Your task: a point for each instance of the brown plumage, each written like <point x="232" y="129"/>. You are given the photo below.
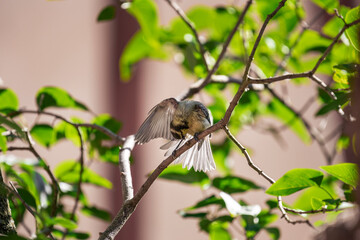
<point x="178" y="122"/>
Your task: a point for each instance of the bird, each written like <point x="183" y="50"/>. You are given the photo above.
<point x="179" y="121"/>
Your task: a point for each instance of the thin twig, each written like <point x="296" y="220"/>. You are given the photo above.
<point x="30" y="210"/>
<point x="191" y="25"/>
<point x="117" y="138"/>
<point x="335" y="40"/>
<point x="323" y="210"/>
<point x="54" y="183"/>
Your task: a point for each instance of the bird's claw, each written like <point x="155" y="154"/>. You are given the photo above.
<point x="173" y="154"/>
<point x="196" y="137"/>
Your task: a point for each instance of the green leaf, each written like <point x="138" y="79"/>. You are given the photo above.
<point x="177" y="173"/>
<point x="335" y="24"/>
<point x="96" y="212"/>
<point x="108" y="13"/>
<point x="3" y="143"/>
<point x="344" y="73"/>
<point x="274" y="233"/>
<point x="353" y="32"/>
<point x="43" y="134"/>
<point x="192" y="215"/>
<point x="328" y="5"/>
<point x="342" y="143"/>
<point x="69" y="171"/>
<point x="310" y="41"/>
<point x="107" y="121"/>
<point x="342" y="99"/>
<point x="212" y="200"/>
<point x="316" y="203"/>
<point x="279" y="110"/>
<point x="272" y="203"/>
<point x="68" y="131"/>
<point x="12" y="125"/>
<point x="64" y="222"/>
<point x="295" y="180"/>
<point x="145" y="11"/>
<point x="232" y="184"/>
<point x="56" y="97"/>
<point x="303" y="201"/>
<point x="70" y="234"/>
<point x="346" y="172"/>
<point x="27" y="197"/>
<point x="217" y="230"/>
<point x="138" y="48"/>
<point x="8" y="100"/>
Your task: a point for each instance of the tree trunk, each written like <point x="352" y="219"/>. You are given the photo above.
<point x="7" y="225"/>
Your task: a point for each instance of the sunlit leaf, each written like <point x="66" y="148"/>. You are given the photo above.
<point x="328" y="5"/>
<point x="310" y="41"/>
<point x="3" y="143"/>
<point x="353" y="32"/>
<point x="107" y="121"/>
<point x="66" y="223"/>
<point x="69" y="171"/>
<point x="108" y="13"/>
<point x="177" y="173"/>
<point x="344" y="73"/>
<point x="232" y="184"/>
<point x="335" y="24"/>
<point x="56" y="97"/>
<point x="346" y="172"/>
<point x="146" y="13"/>
<point x="137" y="49"/>
<point x="303" y="201"/>
<point x="218" y="230"/>
<point x="8" y="100"/>
<point x="295" y="180"/>
<point x="342" y="143"/>
<point x="316" y="203"/>
<point x="43" y="134"/>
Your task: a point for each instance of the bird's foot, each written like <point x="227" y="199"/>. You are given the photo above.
<point x="173" y="154"/>
<point x="196" y="136"/>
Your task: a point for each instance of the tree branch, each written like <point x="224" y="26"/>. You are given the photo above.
<point x="124" y="165"/>
<point x="119" y="140"/>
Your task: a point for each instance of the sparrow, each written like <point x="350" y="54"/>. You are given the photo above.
<point x="179" y="121"/>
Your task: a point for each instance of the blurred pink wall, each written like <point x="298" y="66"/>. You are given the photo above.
<point x="60" y="43"/>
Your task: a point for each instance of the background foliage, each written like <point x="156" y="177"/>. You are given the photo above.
<point x="289" y="45"/>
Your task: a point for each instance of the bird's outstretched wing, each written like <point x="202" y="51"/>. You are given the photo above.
<point x="157" y="123"/>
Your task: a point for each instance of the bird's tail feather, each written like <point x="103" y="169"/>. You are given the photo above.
<point x="198" y="156"/>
